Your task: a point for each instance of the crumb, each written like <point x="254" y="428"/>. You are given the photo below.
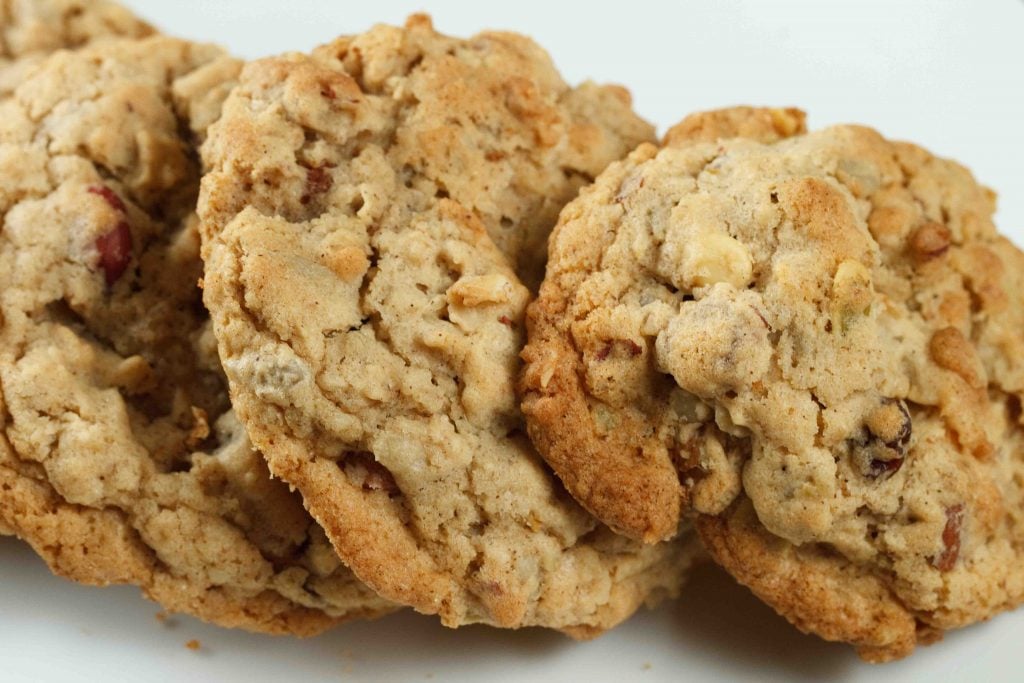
<point x="193" y="645"/>
<point x="646" y="666"/>
<point x="166" y="618"/>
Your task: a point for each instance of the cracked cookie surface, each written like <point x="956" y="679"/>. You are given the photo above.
<point x="811" y="341"/>
<point x="32" y="29"/>
<point x="369" y="318"/>
<point x="120" y="460"/>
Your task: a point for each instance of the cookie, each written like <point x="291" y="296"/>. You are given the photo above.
<point x="359" y="272"/>
<point x="489" y="116"/>
<point x="32" y="29"/>
<point x="812" y="341"/>
<point x="121" y="460"/>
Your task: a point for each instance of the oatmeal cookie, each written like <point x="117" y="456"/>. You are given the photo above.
<point x="363" y="211"/>
<point x="32" y="29"/>
<point x="120" y="458"/>
<point x="814" y="342"/>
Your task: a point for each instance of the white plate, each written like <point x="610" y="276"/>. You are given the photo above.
<point x="948" y="75"/>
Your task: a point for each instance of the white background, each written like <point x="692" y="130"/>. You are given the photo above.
<point x="948" y="75"/>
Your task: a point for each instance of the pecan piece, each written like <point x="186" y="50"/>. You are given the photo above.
<point x="318" y="181"/>
<point x="951" y="539"/>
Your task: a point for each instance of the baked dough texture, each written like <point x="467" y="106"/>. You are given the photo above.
<point x="120" y="459"/>
<point x="32" y="29"/>
<point x="364" y="214"/>
<point x="812" y="342"/>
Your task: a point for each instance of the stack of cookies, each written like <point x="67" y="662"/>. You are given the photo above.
<point x="408" y="321"/>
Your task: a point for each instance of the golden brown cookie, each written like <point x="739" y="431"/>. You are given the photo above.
<point x="358" y="212"/>
<point x="32" y="29"/>
<point x="813" y="341"/>
<point x="120" y="458"/>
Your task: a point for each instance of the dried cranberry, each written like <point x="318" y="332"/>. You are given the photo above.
<point x="505" y="320"/>
<point x="110" y="196"/>
<point x="115" y="249"/>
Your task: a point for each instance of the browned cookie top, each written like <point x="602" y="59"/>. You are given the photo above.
<point x="812" y="340"/>
<point x="121" y="461"/>
<point x="31" y="29"/>
<point x="358" y="213"/>
<point x="486" y="122"/>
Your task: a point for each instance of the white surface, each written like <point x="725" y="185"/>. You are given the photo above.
<point x="948" y="75"/>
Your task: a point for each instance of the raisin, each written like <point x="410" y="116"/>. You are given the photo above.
<point x="887" y="468"/>
<point x="945" y="561"/>
<point x="880" y="450"/>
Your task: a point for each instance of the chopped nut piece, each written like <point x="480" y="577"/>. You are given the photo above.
<point x="318" y="181"/>
<point x="951" y="539"/>
<point x="482" y="290"/>
<point x="852" y="293"/>
<point x="717" y="257"/>
<point x="950" y="349"/>
<point x="930" y="241"/>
